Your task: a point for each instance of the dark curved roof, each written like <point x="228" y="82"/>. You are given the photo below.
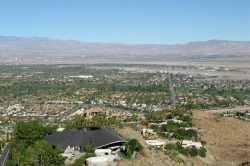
<point x="97" y="137"/>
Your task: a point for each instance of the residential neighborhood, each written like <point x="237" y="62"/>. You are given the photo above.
<point x="111" y="99"/>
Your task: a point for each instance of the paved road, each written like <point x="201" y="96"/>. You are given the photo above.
<point x="63" y="116"/>
<point x="135" y="126"/>
<point x="132" y="100"/>
<point x="68" y="113"/>
<point x="112" y="108"/>
<point x="4" y="156"/>
<point x="195" y="136"/>
<point x="172" y="90"/>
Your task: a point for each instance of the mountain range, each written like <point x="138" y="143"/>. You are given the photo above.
<point x="47" y="49"/>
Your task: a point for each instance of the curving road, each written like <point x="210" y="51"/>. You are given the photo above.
<point x="5" y="155"/>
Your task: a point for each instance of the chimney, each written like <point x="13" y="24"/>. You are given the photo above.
<point x="92" y="141"/>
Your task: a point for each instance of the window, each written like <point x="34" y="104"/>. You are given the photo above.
<point x="106" y="153"/>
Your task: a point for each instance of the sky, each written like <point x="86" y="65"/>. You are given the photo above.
<point x="127" y="21"/>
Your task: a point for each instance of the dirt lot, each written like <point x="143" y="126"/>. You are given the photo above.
<point x="227" y="138"/>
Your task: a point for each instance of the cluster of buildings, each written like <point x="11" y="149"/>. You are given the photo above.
<point x="105" y="142"/>
<point x="88" y="113"/>
<point x="130" y="100"/>
<point x="239" y="115"/>
<point x="12" y="113"/>
<point x="108" y="112"/>
<point x="153" y="139"/>
<point x="195" y="90"/>
<point x="18" y="112"/>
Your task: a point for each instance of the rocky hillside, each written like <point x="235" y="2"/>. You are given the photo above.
<point x="227" y="143"/>
<point x="153" y="157"/>
<point x="227" y="138"/>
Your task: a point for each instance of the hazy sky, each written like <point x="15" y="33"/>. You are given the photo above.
<point x="127" y="21"/>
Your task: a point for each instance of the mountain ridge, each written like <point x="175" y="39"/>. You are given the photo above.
<point x="73" y="40"/>
<point x="41" y="48"/>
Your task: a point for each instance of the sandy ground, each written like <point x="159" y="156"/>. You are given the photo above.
<point x="227" y="138"/>
<point x="237" y="62"/>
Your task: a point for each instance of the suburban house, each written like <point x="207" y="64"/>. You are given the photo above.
<point x="107" y="153"/>
<point x="175" y="120"/>
<point x="149" y="133"/>
<point x="156" y="143"/>
<point x="158" y="123"/>
<point x="78" y="112"/>
<point x="185" y="128"/>
<point x="60" y="128"/>
<point x="157" y="108"/>
<point x="76" y="139"/>
<point x="97" y="161"/>
<point x="94" y="111"/>
<point x="187" y="143"/>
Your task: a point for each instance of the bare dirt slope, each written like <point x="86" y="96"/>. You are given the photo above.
<point x="227" y="138"/>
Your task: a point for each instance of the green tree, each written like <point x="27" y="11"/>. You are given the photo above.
<point x="133" y="145"/>
<point x="31" y="156"/>
<point x="47" y="155"/>
<point x="89" y="149"/>
<point x="202" y="152"/>
<point x="187" y="118"/>
<point x="193" y="152"/>
<point x="99" y="120"/>
<point x="29" y="132"/>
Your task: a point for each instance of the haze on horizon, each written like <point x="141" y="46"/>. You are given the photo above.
<point x="130" y="21"/>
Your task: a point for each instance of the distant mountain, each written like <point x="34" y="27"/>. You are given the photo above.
<point x="46" y="49"/>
